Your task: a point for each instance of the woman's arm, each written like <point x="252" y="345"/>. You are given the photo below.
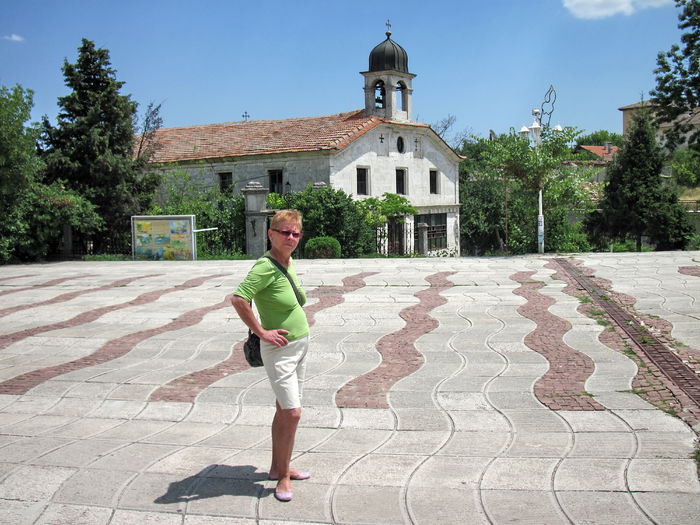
<point x="245" y="312"/>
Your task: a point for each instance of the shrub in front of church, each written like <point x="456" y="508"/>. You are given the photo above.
<point x="330" y="212"/>
<point x="322" y="248"/>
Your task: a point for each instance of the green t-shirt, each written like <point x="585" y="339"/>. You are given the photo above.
<point x="275" y="299"/>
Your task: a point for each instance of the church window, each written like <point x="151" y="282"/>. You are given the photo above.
<point x="379" y="94"/>
<point x="399" y="145"/>
<point x="434" y="182"/>
<point x="362" y="186"/>
<point x="275" y="181"/>
<point x="401" y="181"/>
<point x="225" y="182"/>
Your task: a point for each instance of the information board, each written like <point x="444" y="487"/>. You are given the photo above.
<point x="163" y="237"/>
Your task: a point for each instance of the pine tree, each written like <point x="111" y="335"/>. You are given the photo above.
<point x="677" y="93"/>
<point x="90" y="148"/>
<point x="636" y="202"/>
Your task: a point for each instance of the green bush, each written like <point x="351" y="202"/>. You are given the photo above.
<point x="33" y="228"/>
<point x="183" y="194"/>
<point x="322" y="248"/>
<point x="694" y="243"/>
<point x="329" y="212"/>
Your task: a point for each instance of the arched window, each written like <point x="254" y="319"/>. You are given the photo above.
<point x="379" y="94"/>
<point x="402" y="99"/>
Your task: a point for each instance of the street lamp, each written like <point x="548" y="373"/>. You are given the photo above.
<point x="536" y="130"/>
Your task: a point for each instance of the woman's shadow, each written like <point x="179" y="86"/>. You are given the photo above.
<point x="217" y="480"/>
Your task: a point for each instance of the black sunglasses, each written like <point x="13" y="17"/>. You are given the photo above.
<point x="287" y="233"/>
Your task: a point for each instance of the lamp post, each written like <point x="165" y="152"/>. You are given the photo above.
<point x="536" y="130"/>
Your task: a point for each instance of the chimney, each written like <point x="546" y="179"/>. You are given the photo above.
<point x="608" y="147"/>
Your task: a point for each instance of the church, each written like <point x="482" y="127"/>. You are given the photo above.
<point x="366" y="153"/>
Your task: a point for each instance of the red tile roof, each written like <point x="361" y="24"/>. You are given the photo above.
<point x="601" y="152"/>
<point x="261" y="137"/>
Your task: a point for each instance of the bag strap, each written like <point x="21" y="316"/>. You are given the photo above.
<point x="286" y="274"/>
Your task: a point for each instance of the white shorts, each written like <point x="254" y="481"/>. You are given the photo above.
<point x="286" y="368"/>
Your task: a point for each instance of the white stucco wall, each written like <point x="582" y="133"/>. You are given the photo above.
<point x="382" y="159"/>
<point x="300" y="169"/>
<point x="423" y="152"/>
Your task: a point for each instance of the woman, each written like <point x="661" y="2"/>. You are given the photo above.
<point x="284" y="339"/>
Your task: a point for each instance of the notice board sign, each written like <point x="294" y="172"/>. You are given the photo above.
<point x="163" y="237"/>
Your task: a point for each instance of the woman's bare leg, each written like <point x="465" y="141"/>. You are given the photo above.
<point x="284" y="428"/>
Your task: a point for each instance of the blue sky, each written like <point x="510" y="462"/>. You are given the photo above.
<point x="487" y="62"/>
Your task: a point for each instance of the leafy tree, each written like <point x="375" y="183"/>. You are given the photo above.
<point x="636" y="202"/>
<point x="90" y="149"/>
<point x="19" y="163"/>
<point x="498" y="192"/>
<point x="379" y="211"/>
<point x="33" y="213"/>
<point x="685" y="167"/>
<point x="483" y="194"/>
<point x="600" y="138"/>
<point x="677" y="92"/>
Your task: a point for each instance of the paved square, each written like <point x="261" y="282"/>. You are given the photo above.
<point x="447" y="390"/>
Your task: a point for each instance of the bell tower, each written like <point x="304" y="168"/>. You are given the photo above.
<point x="388" y="83"/>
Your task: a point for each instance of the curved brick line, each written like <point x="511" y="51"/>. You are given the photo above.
<point x="649" y="382"/>
<point x="186" y="388"/>
<point x="562" y="387"/>
<point x="329" y="296"/>
<point x="72" y="295"/>
<point x="689" y="270"/>
<point x="399" y="355"/>
<point x="53" y="282"/>
<point x="91" y="315"/>
<point x="2" y="279"/>
<point x="109" y="351"/>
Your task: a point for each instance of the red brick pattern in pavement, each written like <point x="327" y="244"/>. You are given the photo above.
<point x="2" y="279"/>
<point x="53" y="282"/>
<point x="562" y="387"/>
<point x="650" y="383"/>
<point x="72" y="295"/>
<point x="91" y="315"/>
<point x="399" y="355"/>
<point x="185" y="389"/>
<point x="689" y="270"/>
<point x="109" y="351"/>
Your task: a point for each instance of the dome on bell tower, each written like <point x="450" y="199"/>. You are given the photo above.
<point x="388" y="56"/>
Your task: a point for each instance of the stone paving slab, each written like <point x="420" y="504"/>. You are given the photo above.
<point x="463" y="437"/>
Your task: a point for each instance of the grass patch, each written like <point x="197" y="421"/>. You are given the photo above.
<point x="669" y="411"/>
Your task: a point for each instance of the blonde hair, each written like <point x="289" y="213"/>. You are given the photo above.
<point x="281" y="216"/>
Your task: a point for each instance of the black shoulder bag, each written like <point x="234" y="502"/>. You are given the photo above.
<point x="251" y="347"/>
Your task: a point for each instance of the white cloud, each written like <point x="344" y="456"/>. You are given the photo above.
<point x="590" y="9"/>
<point x="14" y="38"/>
